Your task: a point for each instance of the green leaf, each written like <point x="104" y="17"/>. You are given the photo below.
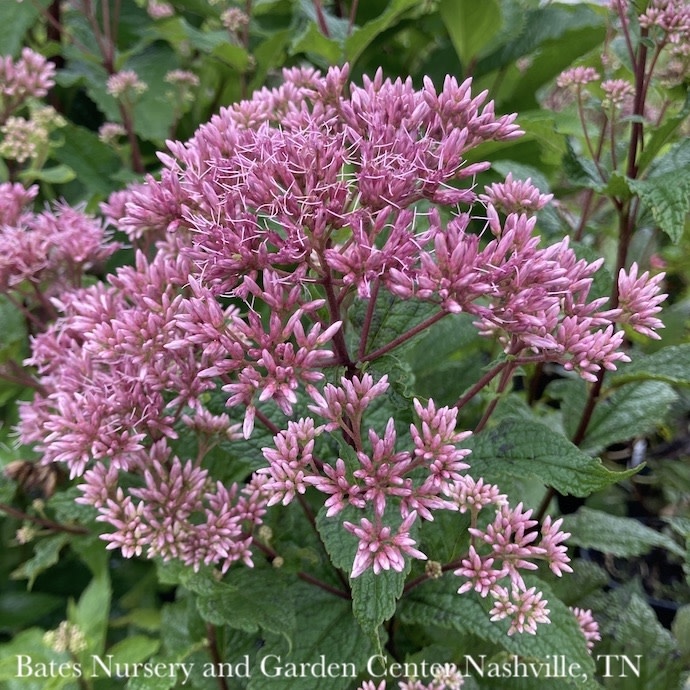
<point x="25" y="664"/>
<point x="232" y="55"/>
<point x="661" y="135"/>
<point x="392" y="317"/>
<point x="250" y="600"/>
<point x="374" y="597"/>
<point x="552" y="38"/>
<point x="92" y="611"/>
<point x="12" y="330"/>
<point x="681" y="629"/>
<point x="325" y="630"/>
<point x="58" y="174"/>
<point x="437" y="602"/>
<point x="667" y="196"/>
<point x="580" y="170"/>
<point x="18" y="609"/>
<point x="520" y="448"/>
<point x="312" y="42"/>
<point x="634" y="410"/>
<point x="594" y="529"/>
<point x="16" y="18"/>
<point x="93" y="162"/>
<point x="134" y="649"/>
<point x="543" y="27"/>
<point x="46" y="554"/>
<point x="670" y="365"/>
<point x="471" y="25"/>
<point x="363" y="36"/>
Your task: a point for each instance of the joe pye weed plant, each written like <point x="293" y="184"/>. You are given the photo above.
<point x="337" y="389"/>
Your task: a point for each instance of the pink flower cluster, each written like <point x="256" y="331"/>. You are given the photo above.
<point x="50" y="251"/>
<point x="31" y="76"/>
<point x="264" y="228"/>
<point x="505" y="546"/>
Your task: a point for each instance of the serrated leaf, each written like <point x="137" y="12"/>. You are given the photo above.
<point x="617" y="186"/>
<point x="163" y="682"/>
<point x="618" y="536"/>
<point x="46" y="554"/>
<point x="235" y="56"/>
<point x="580" y="170"/>
<point x="437" y="602"/>
<point x="667" y="196"/>
<point x="250" y="600"/>
<point x="440" y="342"/>
<point x="325" y="628"/>
<point x="541" y="27"/>
<point x="639" y="628"/>
<point x="392" y="318"/>
<point x="471" y="25"/>
<point x="631" y="411"/>
<point x="670" y="365"/>
<point x="520" y="448"/>
<point x="374" y="597"/>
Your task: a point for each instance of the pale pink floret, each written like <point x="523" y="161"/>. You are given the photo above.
<point x="515" y="196"/>
<point x="524" y="607"/>
<point x="577" y="76"/>
<point x="639" y="299"/>
<point x="588" y="625"/>
<point x="481" y="576"/>
<point x="380" y="549"/>
<point x="552" y="543"/>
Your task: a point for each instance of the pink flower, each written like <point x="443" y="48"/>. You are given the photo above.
<point x="577" y="76"/>
<point x="515" y="196"/>
<point x="379" y="549"/>
<point x="551" y="542"/>
<point x="32" y="76"/>
<point x="639" y="300"/>
<point x="588" y="625"/>
<point x="525" y="607"/>
<point x="481" y="577"/>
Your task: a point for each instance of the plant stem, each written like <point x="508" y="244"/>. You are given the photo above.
<point x="212" y="638"/>
<point x="321" y="19"/>
<point x="312" y="521"/>
<point x="366" y="326"/>
<point x="267" y="422"/>
<point x="353" y="16"/>
<point x="430" y="321"/>
<point x="505" y="378"/>
<point x="483" y="381"/>
<point x="424" y="577"/>
<point x="306" y="577"/>
<point x="43" y="522"/>
<point x="338" y="339"/>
